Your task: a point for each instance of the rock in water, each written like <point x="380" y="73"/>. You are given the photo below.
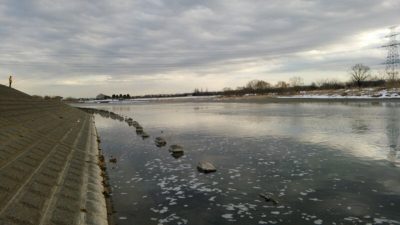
<point x="135" y="124"/>
<point x="206" y="167"/>
<point x="113" y="160"/>
<point x="176" y="149"/>
<point x="160" y="142"/>
<point x="145" y="135"/>
<point x="269" y="198"/>
<point x="129" y="121"/>
<point x="139" y="130"/>
<point x="177" y="155"/>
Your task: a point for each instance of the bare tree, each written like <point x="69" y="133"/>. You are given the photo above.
<point x="228" y="91"/>
<point x="329" y="83"/>
<point x="359" y="73"/>
<point x="258" y="85"/>
<point x="282" y="84"/>
<point x="321" y="82"/>
<point x="392" y="77"/>
<point x="296" y="81"/>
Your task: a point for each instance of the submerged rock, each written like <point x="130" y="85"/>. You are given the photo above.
<point x="269" y="198"/>
<point x="160" y="142"/>
<point x="206" y="167"/>
<point x="129" y="121"/>
<point x="145" y="135"/>
<point x="176" y="149"/>
<point x="135" y="124"/>
<point x="139" y="130"/>
<point x="177" y="155"/>
<point x="113" y="160"/>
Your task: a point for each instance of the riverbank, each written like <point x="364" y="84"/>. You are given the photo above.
<point x="340" y="95"/>
<point x="262" y="99"/>
<point x="300" y="99"/>
<point x="320" y="96"/>
<point x="49" y="163"/>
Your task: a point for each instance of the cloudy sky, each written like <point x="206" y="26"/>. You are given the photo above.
<point x="81" y="48"/>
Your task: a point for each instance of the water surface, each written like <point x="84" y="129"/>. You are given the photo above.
<point x="325" y="163"/>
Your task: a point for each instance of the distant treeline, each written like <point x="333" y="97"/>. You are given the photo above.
<point x="262" y="87"/>
<point x="127" y="96"/>
<point x="257" y="87"/>
<point x="360" y="77"/>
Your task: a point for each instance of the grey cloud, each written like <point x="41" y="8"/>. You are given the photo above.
<point x="48" y="39"/>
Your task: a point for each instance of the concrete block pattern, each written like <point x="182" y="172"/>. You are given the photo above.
<point x="48" y="163"/>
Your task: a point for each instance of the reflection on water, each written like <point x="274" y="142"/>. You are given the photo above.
<point x="323" y="163"/>
<point x="393" y="135"/>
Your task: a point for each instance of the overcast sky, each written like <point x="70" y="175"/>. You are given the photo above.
<point x="82" y="48"/>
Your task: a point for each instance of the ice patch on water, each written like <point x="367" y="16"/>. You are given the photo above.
<point x="242" y="209"/>
<point x="163" y="210"/>
<point x="172" y="217"/>
<point x="171" y="200"/>
<point x="315" y="199"/>
<point x="353" y="219"/>
<point x="308" y="217"/>
<point x="383" y="220"/>
<point x="319" y="221"/>
<point x="310" y="190"/>
<point x="227" y="216"/>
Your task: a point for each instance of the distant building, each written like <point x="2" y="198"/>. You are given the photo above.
<point x="102" y="96"/>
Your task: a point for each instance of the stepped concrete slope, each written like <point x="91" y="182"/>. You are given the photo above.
<point x="49" y="171"/>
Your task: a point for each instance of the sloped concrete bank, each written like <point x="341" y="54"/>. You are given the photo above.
<point x="50" y="166"/>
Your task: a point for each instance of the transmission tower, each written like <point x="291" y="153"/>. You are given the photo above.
<point x="392" y="59"/>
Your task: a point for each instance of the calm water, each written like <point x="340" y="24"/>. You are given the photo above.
<point x="324" y="163"/>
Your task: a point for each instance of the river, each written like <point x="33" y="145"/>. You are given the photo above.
<point x="324" y="163"/>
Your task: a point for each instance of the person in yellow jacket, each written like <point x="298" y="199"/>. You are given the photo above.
<point x="10" y="80"/>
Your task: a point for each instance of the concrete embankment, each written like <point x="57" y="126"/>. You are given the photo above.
<point x="49" y="163"/>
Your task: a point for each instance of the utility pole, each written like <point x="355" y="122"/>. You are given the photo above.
<point x="392" y="59"/>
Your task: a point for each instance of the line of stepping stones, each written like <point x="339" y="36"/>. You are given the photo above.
<point x="175" y="149"/>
